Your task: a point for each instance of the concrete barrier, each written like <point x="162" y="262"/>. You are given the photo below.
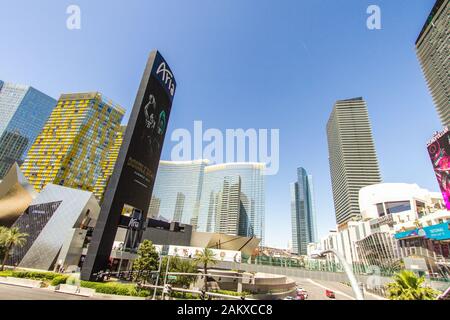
<point x="28" y="283"/>
<point x="75" y="290"/>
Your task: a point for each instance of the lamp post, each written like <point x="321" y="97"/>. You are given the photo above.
<point x="348" y="272"/>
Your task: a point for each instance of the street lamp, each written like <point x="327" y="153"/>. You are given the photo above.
<point x="347" y="269"/>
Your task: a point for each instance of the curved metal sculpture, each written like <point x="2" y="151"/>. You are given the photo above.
<point x="348" y="271"/>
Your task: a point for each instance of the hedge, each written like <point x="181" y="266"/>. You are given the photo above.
<point x="115" y="288"/>
<point x="35" y="275"/>
<point x="100" y="287"/>
<point x="59" y="280"/>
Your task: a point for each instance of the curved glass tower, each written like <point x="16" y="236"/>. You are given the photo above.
<point x="233" y="199"/>
<point x="178" y="186"/>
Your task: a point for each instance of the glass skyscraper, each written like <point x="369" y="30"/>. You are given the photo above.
<point x="223" y="186"/>
<point x="303" y="212"/>
<point x="75" y="142"/>
<point x="23" y="113"/>
<point x="177" y="191"/>
<point x="433" y="50"/>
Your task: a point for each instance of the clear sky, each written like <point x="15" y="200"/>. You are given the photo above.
<point x="245" y="64"/>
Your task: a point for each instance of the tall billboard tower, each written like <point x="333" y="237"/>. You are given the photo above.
<point x="131" y="184"/>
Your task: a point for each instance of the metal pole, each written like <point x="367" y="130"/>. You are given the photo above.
<point x="165" y="277"/>
<point x="349" y="272"/>
<point x="121" y="252"/>
<point x="157" y="276"/>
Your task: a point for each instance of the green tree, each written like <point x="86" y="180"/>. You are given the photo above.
<point x="147" y="261"/>
<point x="184" y="266"/>
<point x="180" y="266"/>
<point x="10" y="238"/>
<point x="205" y="258"/>
<point x="408" y="286"/>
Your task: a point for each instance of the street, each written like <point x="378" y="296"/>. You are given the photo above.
<point x="316" y="290"/>
<point x="8" y="292"/>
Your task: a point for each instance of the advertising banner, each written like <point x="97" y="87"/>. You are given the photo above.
<point x="439" y="150"/>
<point x="435" y="232"/>
<point x="131" y="184"/>
<point x="191" y="252"/>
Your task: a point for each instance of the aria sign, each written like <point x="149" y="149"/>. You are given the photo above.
<point x="133" y="178"/>
<point x="166" y="77"/>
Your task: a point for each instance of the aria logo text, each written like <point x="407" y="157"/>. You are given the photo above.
<point x="134" y="223"/>
<point x="167" y="77"/>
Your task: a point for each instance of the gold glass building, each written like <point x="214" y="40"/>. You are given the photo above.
<point x="75" y="142"/>
<point x="108" y="165"/>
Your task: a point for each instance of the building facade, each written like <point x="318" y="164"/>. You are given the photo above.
<point x="352" y="156"/>
<point x="229" y="207"/>
<point x="302" y="213"/>
<point x="16" y="194"/>
<point x="392" y="211"/>
<point x="23" y="113"/>
<point x="433" y="50"/>
<point x="75" y="142"/>
<point x="218" y="196"/>
<point x="177" y="190"/>
<point x="57" y="223"/>
<point x="107" y="165"/>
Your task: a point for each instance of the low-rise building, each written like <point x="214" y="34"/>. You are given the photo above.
<point x="394" y="224"/>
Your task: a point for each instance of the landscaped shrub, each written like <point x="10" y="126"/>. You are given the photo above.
<point x="59" y="280"/>
<point x="186" y="295"/>
<point x="115" y="288"/>
<point x="35" y="275"/>
<point x="6" y="273"/>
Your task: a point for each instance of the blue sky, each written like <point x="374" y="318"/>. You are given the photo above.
<point x="245" y="64"/>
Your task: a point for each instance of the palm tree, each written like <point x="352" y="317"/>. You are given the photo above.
<point x="3" y="232"/>
<point x="9" y="239"/>
<point x="205" y="258"/>
<point x="408" y="286"/>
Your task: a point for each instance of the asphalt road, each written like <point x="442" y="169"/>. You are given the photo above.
<point x="20" y="293"/>
<point x="316" y="290"/>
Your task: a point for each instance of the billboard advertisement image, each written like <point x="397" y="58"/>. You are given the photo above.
<point x="439" y="150"/>
<point x="191" y="252"/>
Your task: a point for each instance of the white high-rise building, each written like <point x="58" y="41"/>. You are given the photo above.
<point x="352" y="157"/>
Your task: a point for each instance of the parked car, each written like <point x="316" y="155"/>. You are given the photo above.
<point x="330" y="294"/>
